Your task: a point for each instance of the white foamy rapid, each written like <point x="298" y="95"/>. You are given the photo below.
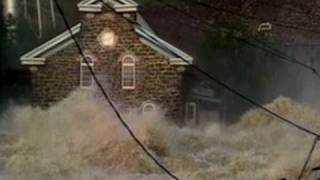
<point x="80" y="139"/>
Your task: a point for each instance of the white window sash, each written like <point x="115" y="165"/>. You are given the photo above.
<point x="125" y="74"/>
<point x="82" y="66"/>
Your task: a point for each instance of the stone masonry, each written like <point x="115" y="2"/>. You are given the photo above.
<point x="157" y="81"/>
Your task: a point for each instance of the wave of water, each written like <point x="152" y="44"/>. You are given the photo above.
<point x="80" y="138"/>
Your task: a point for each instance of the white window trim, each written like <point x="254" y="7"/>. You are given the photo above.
<point x="194" y="111"/>
<point x="83" y="64"/>
<point x="131" y="64"/>
<point x="148" y="104"/>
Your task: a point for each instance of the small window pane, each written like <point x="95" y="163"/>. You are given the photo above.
<point x="86" y="79"/>
<point x="128" y="73"/>
<point x="128" y="59"/>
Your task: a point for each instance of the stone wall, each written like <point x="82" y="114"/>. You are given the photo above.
<point x="156" y="80"/>
<point x="56" y="79"/>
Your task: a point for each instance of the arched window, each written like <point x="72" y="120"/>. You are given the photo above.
<point x="148" y="108"/>
<point x="128" y="72"/>
<point x="86" y="79"/>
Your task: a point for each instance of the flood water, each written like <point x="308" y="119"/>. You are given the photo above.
<point x="81" y="139"/>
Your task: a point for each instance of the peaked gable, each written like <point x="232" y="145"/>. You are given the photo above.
<point x="38" y="55"/>
<point x="176" y="55"/>
<point x="117" y="5"/>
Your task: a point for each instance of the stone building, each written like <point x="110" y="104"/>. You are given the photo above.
<point x="135" y="66"/>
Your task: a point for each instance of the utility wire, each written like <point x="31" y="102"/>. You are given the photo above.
<point x="210" y="6"/>
<point x="315" y="141"/>
<point x="267" y="48"/>
<point x="262" y="107"/>
<point x="282" y="56"/>
<point x="126" y="126"/>
<point x="196" y="68"/>
<point x="251" y="101"/>
<point x="244" y="97"/>
<point x="303" y="6"/>
<point x="278" y="6"/>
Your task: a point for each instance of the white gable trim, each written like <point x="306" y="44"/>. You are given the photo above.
<point x="150" y="44"/>
<point x="89" y="6"/>
<point x="123" y="5"/>
<point x="177" y="57"/>
<point x="117" y="5"/>
<point x="32" y="57"/>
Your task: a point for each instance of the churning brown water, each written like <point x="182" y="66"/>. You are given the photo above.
<point x="80" y="139"/>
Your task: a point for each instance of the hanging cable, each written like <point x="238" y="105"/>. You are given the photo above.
<point x="287" y="8"/>
<point x="244" y="97"/>
<point x="107" y="97"/>
<point x="264" y="46"/>
<point x="308" y="131"/>
<point x="196" y="68"/>
<point x="234" y="13"/>
<point x="315" y="141"/>
<point x="251" y="101"/>
<point x="232" y="90"/>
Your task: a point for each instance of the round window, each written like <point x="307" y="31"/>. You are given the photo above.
<point x="107" y="38"/>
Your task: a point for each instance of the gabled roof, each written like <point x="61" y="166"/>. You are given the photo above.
<point x="176" y="55"/>
<point x="117" y="5"/>
<point x="38" y="55"/>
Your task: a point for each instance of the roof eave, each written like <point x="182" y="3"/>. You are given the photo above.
<point x="181" y="62"/>
<point x="31" y="58"/>
<point x="90" y="8"/>
<point x="33" y="61"/>
<point x="125" y="8"/>
<point x="181" y="58"/>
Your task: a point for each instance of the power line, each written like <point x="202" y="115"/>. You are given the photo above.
<point x="262" y="107"/>
<point x="106" y="96"/>
<point x="244" y="97"/>
<point x="194" y="67"/>
<point x="288" y="26"/>
<point x="267" y="48"/>
<point x="289" y="9"/>
<point x="251" y="101"/>
<point x="303" y="6"/>
<point x="315" y="141"/>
